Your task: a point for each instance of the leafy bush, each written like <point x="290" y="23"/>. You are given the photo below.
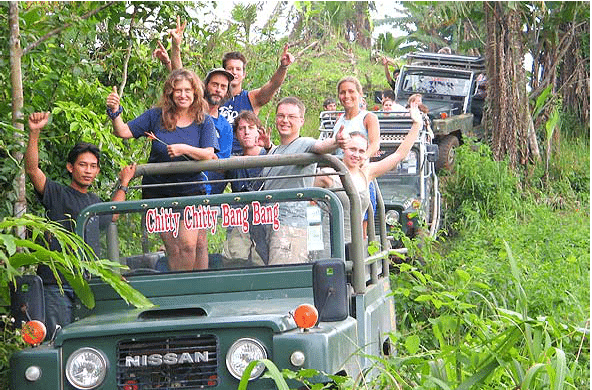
<point x="480" y="188"/>
<point x="504" y="301"/>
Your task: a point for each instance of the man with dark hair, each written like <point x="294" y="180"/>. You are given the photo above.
<point x="63" y="204"/>
<point x="330" y="104"/>
<point x="216" y="92"/>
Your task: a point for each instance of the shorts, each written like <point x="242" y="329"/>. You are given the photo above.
<point x="288" y="245"/>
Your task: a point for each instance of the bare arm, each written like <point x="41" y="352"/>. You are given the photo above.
<point x="176" y="40"/>
<point x="261" y="96"/>
<point x="329" y="144"/>
<point x="387" y="72"/>
<point x="37" y="121"/>
<point x="324" y="181"/>
<point x="379" y="168"/>
<point x="176" y="150"/>
<point x="373" y="128"/>
<point x="125" y="175"/>
<point x="120" y="128"/>
<point x="161" y="53"/>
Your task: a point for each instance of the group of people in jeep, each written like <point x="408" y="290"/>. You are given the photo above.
<point x="214" y="119"/>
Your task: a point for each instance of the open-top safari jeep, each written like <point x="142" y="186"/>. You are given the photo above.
<point x="207" y="325"/>
<point x="453" y="88"/>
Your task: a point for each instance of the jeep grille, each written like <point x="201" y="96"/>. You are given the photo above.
<point x="392" y="137"/>
<point x="188" y="362"/>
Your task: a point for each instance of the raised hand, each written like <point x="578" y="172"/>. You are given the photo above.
<point x="415" y="113"/>
<point x="264" y="139"/>
<point x="38" y="120"/>
<point x="113" y="100"/>
<point x="286" y="59"/>
<point x="161" y="53"/>
<point x="342" y="138"/>
<point x="177" y="33"/>
<point x="126" y="174"/>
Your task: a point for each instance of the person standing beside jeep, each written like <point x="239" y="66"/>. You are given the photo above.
<point x="180" y="130"/>
<point x="63" y="204"/>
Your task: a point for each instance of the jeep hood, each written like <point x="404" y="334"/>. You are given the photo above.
<point x="269" y="313"/>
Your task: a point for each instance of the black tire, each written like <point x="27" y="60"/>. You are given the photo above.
<point x="446" y="153"/>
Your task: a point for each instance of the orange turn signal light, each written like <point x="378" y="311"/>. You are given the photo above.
<point x="306" y="316"/>
<point x="34" y="332"/>
<point x="443" y="115"/>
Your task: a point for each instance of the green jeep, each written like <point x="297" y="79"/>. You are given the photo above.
<point x="409" y="193"/>
<point x="451" y="88"/>
<point x="206" y="326"/>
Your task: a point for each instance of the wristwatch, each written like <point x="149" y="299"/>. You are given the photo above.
<point x="122" y="188"/>
<point x="115" y="114"/>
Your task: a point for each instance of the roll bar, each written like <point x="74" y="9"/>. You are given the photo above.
<point x="356" y="248"/>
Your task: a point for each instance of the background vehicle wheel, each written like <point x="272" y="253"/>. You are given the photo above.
<point x="447" y="152"/>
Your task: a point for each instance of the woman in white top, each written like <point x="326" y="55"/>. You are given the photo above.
<point x="350" y="95"/>
<point x="362" y="172"/>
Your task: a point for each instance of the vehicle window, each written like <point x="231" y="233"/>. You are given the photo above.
<point x="409" y="165"/>
<point x="155" y="239"/>
<point x="435" y="84"/>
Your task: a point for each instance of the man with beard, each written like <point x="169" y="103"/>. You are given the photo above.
<point x="216" y="91"/>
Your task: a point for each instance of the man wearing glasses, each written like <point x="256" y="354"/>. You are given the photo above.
<point x="287" y="245"/>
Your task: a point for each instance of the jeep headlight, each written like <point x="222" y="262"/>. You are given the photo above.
<point x="392" y="217"/>
<point x="86" y="368"/>
<point x="243" y="352"/>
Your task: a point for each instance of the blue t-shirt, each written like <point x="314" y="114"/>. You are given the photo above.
<point x="199" y="135"/>
<point x="230" y="110"/>
<point x="224" y="136"/>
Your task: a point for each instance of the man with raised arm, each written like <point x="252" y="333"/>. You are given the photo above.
<point x="62" y="205"/>
<point x="235" y="63"/>
<point x="288" y="244"/>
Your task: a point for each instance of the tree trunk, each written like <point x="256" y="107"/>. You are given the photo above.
<point x="16" y="80"/>
<point x="508" y="111"/>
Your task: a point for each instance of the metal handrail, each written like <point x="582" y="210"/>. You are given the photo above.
<point x="357" y="245"/>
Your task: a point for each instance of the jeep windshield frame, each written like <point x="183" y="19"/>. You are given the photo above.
<point x="357" y="262"/>
<point x="431" y="82"/>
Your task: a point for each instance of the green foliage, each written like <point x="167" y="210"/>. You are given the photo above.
<point x="74" y="261"/>
<point x="480" y="188"/>
<point x="10" y="342"/>
<point x="457" y="333"/>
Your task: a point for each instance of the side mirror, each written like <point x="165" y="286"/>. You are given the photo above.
<point x="330" y="290"/>
<point x="432" y="152"/>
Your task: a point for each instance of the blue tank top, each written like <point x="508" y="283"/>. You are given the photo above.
<point x="230" y="110"/>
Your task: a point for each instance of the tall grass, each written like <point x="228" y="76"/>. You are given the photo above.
<point x="504" y="301"/>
